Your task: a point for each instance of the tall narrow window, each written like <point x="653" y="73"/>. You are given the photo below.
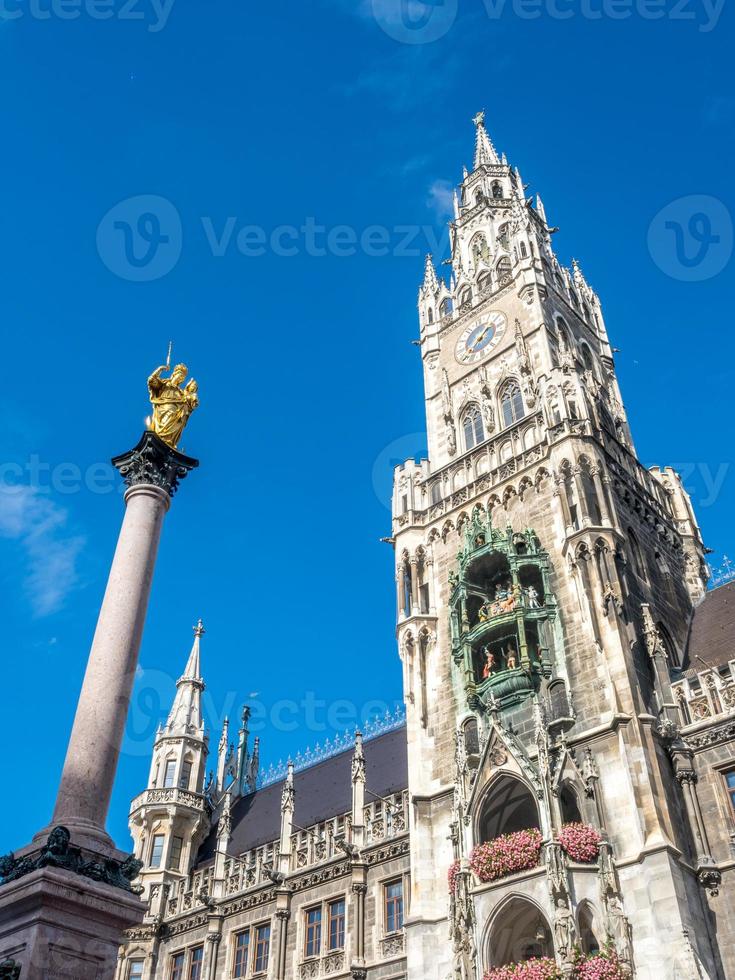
<point x="169" y="774"/>
<point x="511" y="403"/>
<point x="177" y="845"/>
<point x="135" y="969"/>
<point x="242" y="948"/>
<point x="177" y="966"/>
<point x="196" y="957"/>
<point x="394" y="906"/>
<point x="262" y="948"/>
<point x="337" y="924"/>
<point x="185" y="775"/>
<point x="503" y="269"/>
<point x="730" y="783"/>
<point x="157" y="850"/>
<point x="313" y="935"/>
<point x="472" y="427"/>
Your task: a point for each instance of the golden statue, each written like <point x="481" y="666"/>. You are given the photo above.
<point x="172" y="404"/>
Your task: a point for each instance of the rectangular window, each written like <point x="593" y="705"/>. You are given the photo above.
<point x="135" y="970"/>
<point x="242" y="949"/>
<point x="157" y="850"/>
<point x="177" y="844"/>
<point x="262" y="948"/>
<point x="313" y="940"/>
<point x="337" y="924"/>
<point x="394" y="906"/>
<point x="185" y="776"/>
<point x="169" y="773"/>
<point x="195" y="963"/>
<point x="424" y="598"/>
<point x="177" y="966"/>
<point x="730" y="782"/>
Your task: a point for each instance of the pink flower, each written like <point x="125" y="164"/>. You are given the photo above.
<point x="580" y="841"/>
<point x="533" y="969"/>
<point x="506" y="855"/>
<point x="452" y="877"/>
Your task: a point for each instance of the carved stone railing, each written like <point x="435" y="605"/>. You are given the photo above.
<point x="495" y="472"/>
<point x="328" y="964"/>
<point x="190" y="894"/>
<point x="170" y="796"/>
<point x="393" y="945"/>
<point x="384" y="820"/>
<point x="710" y="694"/>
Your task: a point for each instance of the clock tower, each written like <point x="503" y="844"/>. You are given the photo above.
<point x="545" y="585"/>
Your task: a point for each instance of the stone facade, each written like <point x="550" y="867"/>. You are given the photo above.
<point x="562" y="664"/>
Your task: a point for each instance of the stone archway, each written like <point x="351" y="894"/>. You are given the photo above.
<point x="519" y="931"/>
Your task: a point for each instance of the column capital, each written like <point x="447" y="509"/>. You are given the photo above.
<point x="154" y="463"/>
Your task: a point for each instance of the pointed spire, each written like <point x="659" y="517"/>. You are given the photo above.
<point x="430" y="283"/>
<point x="541" y="209"/>
<point x="455" y="202"/>
<point x="185" y="716"/>
<point x="222" y="755"/>
<point x="578" y="277"/>
<point x="484" y="149"/>
<point x="517" y="211"/>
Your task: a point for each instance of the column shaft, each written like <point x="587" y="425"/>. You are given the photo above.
<point x="94" y="747"/>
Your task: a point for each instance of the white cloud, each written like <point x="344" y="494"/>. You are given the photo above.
<point x="49" y="551"/>
<point x="441" y="199"/>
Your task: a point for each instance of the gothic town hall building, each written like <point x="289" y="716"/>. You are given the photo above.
<point x="563" y="663"/>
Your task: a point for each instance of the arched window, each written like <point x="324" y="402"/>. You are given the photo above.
<point x="446" y="306"/>
<point x="497" y="190"/>
<point x="436" y="492"/>
<point x="504" y="269"/>
<point x="519" y="932"/>
<point x="504" y="235"/>
<point x="587" y="358"/>
<point x="511" y="403"/>
<point x="430" y="315"/>
<point x="479" y="250"/>
<point x="484" y="281"/>
<point x="569" y="805"/>
<point x="474" y="433"/>
<point x="636" y="555"/>
<point x="524" y="250"/>
<point x="465" y="296"/>
<point x="509" y="806"/>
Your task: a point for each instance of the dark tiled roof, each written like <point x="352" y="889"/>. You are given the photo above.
<point x="321" y="791"/>
<point x="712" y="633"/>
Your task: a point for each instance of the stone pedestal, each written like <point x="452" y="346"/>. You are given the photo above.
<point x="66" y="898"/>
<point x="59" y="926"/>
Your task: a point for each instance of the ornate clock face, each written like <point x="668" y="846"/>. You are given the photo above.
<point x="479" y="338"/>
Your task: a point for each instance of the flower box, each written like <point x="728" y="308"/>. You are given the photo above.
<point x="506" y="855"/>
<point x="580" y="842"/>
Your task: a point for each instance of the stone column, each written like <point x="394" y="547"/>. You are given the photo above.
<point x="151" y="471"/>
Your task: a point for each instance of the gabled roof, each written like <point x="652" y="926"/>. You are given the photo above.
<point x="712" y="633"/>
<point x="321" y="792"/>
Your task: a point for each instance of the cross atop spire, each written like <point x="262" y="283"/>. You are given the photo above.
<point x="199" y="628"/>
<point x="484" y="150"/>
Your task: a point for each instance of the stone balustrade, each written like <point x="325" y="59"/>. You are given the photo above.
<point x="708" y="694"/>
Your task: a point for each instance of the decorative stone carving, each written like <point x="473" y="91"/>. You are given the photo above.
<point x="153" y="462"/>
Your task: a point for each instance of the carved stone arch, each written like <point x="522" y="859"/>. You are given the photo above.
<point x="493" y="502"/>
<point x="463" y="519"/>
<point x="447" y="528"/>
<point x="590" y="927"/>
<point x="540" y="476"/>
<point x="509" y="934"/>
<point x="524" y="486"/>
<point x="508" y="495"/>
<point x="433" y="535"/>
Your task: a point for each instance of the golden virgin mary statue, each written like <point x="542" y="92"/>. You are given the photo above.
<point x="172" y="404"/>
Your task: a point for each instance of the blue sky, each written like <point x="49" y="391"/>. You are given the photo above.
<point x="304" y="115"/>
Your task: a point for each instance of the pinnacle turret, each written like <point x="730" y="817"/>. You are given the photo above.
<point x="430" y="283"/>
